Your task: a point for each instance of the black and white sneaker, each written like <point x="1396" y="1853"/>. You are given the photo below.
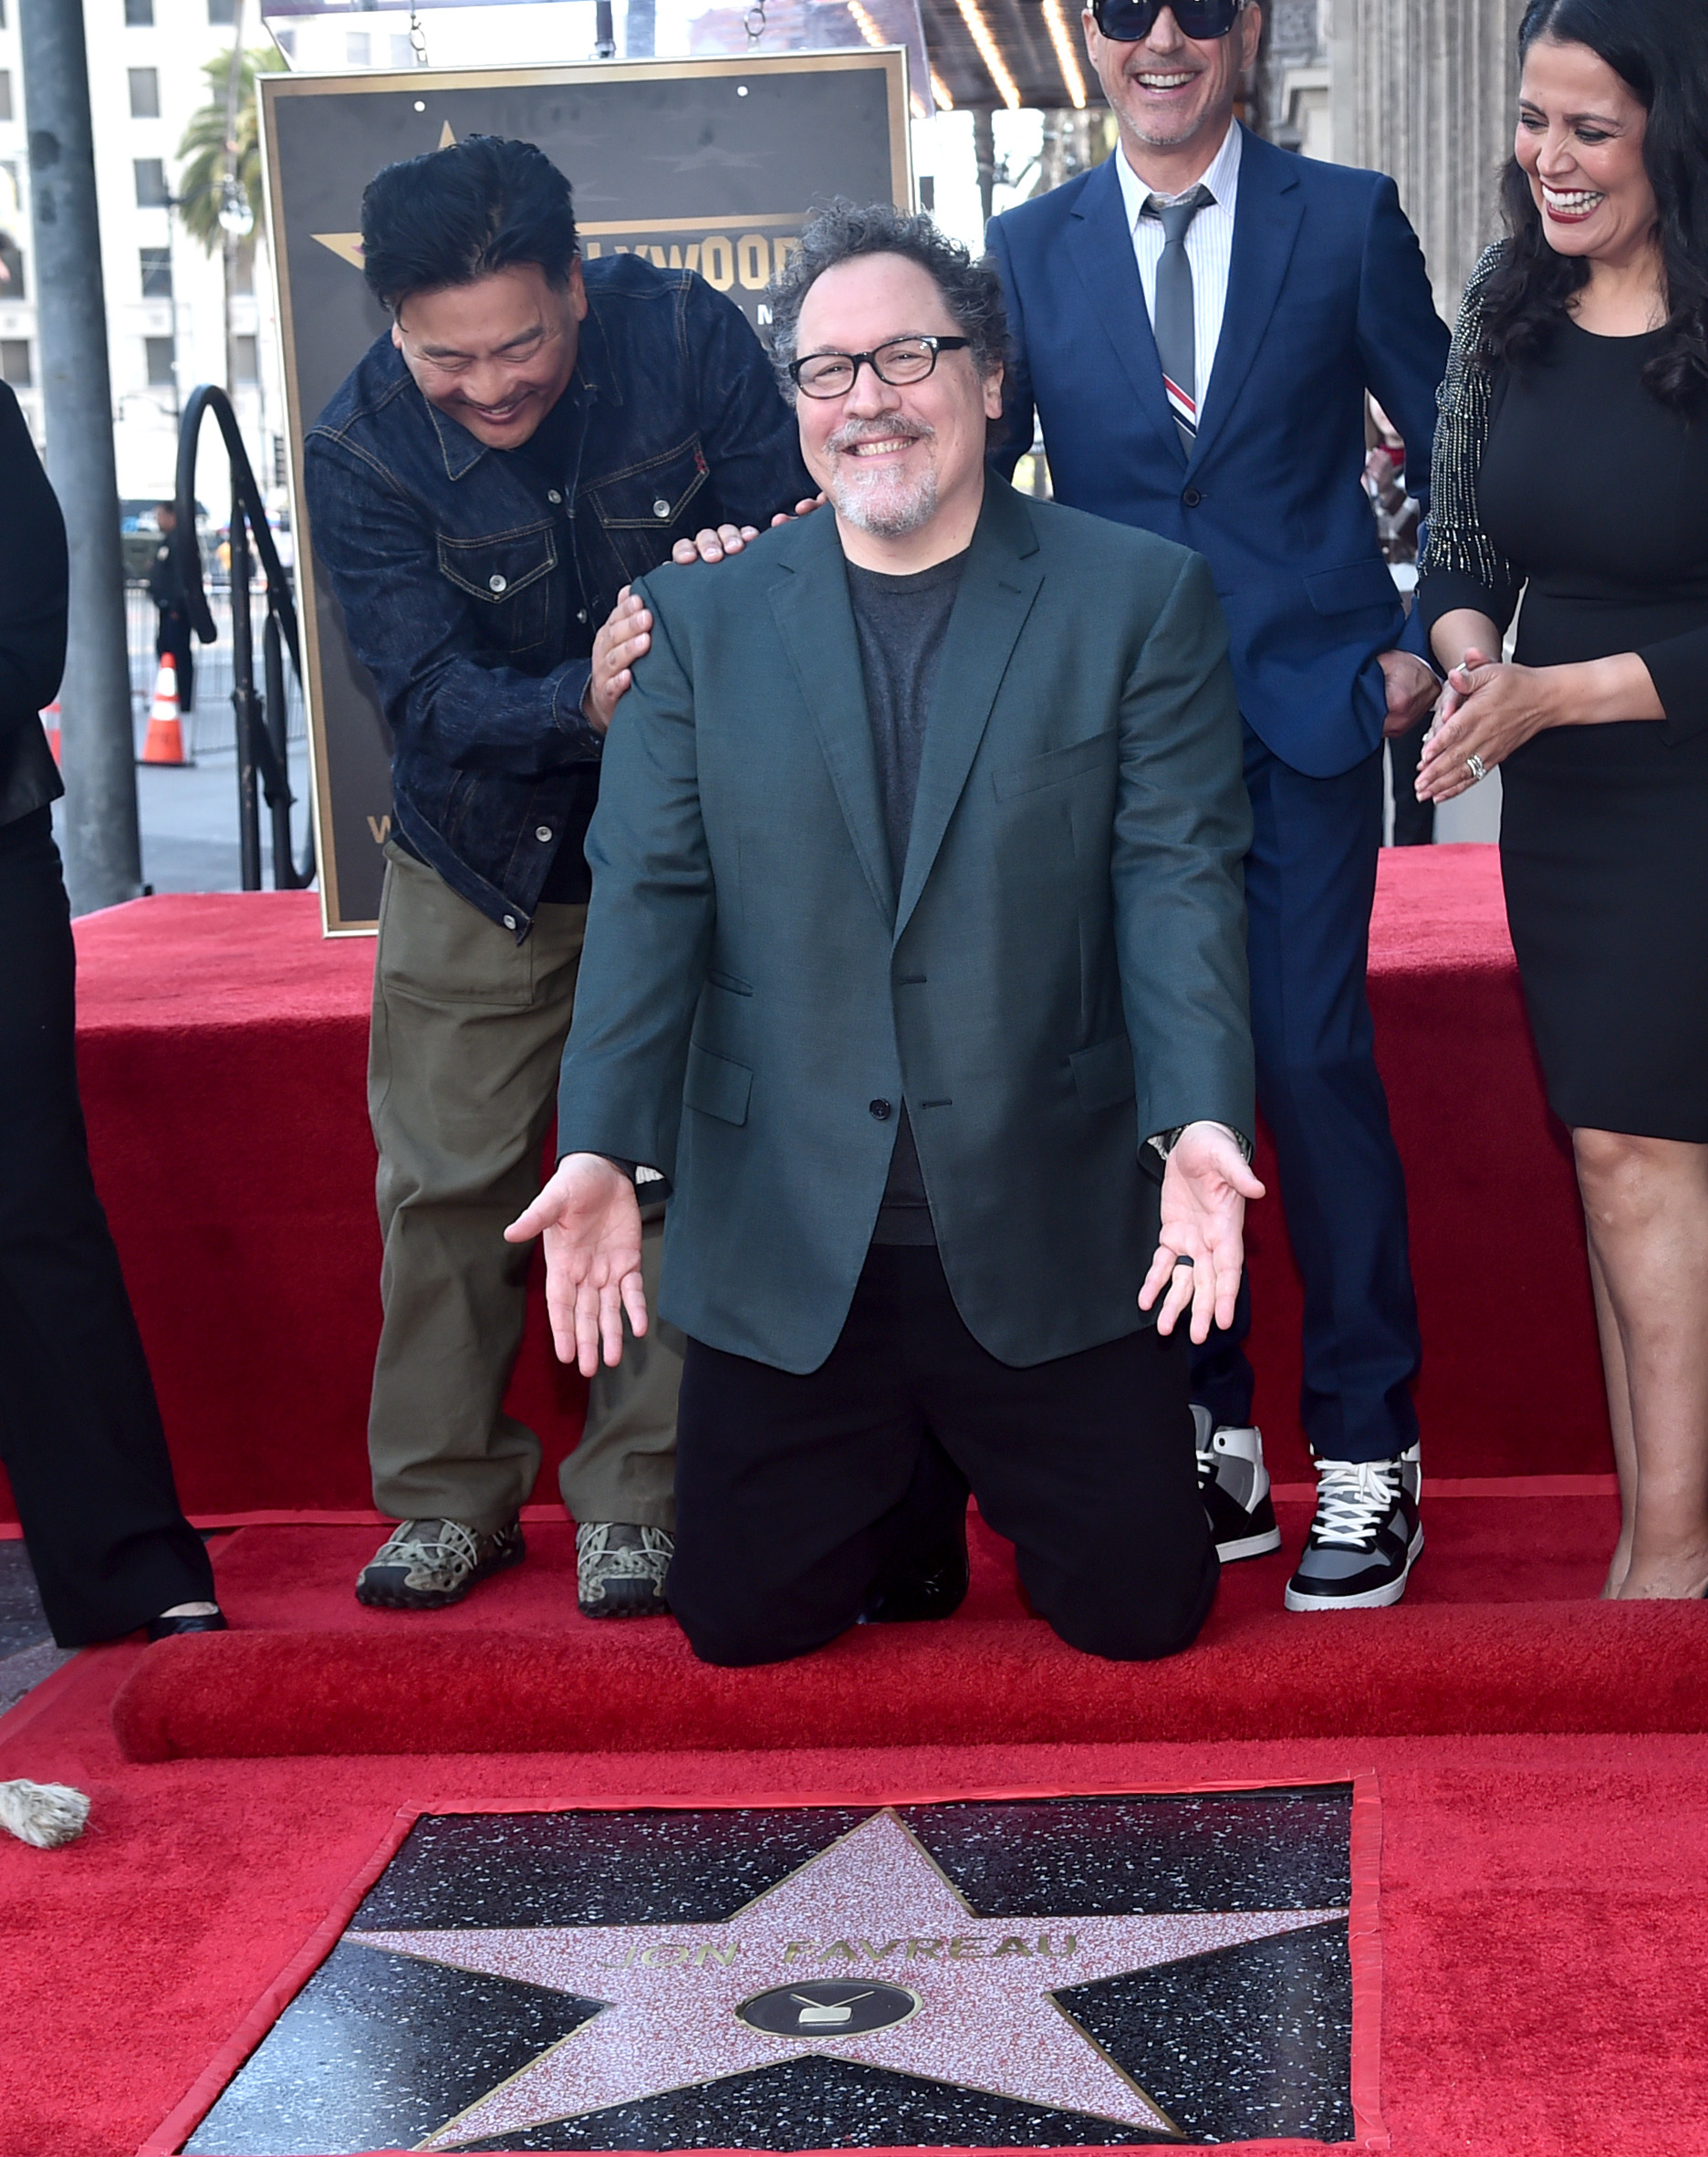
<point x="1235" y="1486"/>
<point x="1365" y="1539"/>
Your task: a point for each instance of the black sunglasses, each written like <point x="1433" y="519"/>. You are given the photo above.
<point x="1129" y="22"/>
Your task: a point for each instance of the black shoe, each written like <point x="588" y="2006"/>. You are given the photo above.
<point x="428" y="1565"/>
<point x="1235" y="1486"/>
<point x="166" y="1628"/>
<point x="620" y="1570"/>
<point x="918" y="1588"/>
<point x="1365" y="1539"/>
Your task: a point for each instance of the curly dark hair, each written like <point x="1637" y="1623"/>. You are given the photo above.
<point x="1658" y="48"/>
<point x="971" y="290"/>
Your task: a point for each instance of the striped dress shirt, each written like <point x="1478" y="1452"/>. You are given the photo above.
<point x="1209" y="247"/>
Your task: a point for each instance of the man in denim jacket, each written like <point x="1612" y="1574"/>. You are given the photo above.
<point x="534" y="431"/>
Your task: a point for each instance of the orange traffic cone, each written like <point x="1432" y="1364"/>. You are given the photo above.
<point x="163" y="743"/>
<point x="50" y="720"/>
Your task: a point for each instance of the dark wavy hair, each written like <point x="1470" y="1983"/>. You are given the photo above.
<point x="971" y="290"/>
<point x="456" y="214"/>
<point x="1658" y="48"/>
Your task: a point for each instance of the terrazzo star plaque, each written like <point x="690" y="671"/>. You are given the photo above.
<point x="1105" y="1970"/>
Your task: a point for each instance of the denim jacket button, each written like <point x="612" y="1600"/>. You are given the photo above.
<point x="509" y="920"/>
<point x="544" y="833"/>
<point x="497" y="584"/>
<point x="552" y="495"/>
<point x="660" y="508"/>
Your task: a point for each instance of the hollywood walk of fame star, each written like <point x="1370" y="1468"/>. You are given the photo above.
<point x="872" y="1909"/>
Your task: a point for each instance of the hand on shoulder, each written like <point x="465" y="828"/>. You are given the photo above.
<point x="712" y="542"/>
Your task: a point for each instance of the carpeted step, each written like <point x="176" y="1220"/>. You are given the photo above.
<point x="1421" y="1671"/>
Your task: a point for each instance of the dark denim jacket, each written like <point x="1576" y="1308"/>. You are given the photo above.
<point x="471" y="583"/>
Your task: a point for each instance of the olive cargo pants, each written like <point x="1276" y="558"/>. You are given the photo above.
<point x="468" y="1032"/>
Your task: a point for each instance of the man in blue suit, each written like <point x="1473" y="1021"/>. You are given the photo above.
<point x="1196" y="323"/>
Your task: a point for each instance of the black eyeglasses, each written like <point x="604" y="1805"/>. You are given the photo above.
<point x="1130" y="22"/>
<point x="902" y="360"/>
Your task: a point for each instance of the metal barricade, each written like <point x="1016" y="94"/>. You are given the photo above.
<point x="263" y="717"/>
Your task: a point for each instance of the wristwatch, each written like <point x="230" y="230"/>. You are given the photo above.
<point x="1164" y="1141"/>
<point x="636" y="1172"/>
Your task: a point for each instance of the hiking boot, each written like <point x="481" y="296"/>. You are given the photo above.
<point x="1235" y="1486"/>
<point x="428" y="1565"/>
<point x="620" y="1570"/>
<point x="1365" y="1539"/>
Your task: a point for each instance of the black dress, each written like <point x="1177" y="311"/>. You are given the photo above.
<point x="79" y="1431"/>
<point x="1569" y="482"/>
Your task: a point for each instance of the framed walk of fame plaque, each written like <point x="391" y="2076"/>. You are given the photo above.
<point x="1024" y="1972"/>
<point x="704" y="164"/>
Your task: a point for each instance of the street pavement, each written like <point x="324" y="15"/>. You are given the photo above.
<point x="189" y="819"/>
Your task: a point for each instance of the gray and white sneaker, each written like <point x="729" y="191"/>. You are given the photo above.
<point x="428" y="1565"/>
<point x="620" y="1570"/>
<point x="1235" y="1486"/>
<point x="1365" y="1539"/>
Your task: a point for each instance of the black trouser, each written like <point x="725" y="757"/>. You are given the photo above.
<point x="79" y="1431"/>
<point x="176" y="642"/>
<point x="794" y="1493"/>
<point x="1413" y="821"/>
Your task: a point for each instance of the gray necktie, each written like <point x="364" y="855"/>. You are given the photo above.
<point x="1176" y="330"/>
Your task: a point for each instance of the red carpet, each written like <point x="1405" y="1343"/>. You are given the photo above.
<point x="223" y="1048"/>
<point x="1543" y="1971"/>
<point x="1545" y="1979"/>
<point x="517" y="1669"/>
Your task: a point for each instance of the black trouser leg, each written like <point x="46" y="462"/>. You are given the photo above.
<point x="1413" y="821"/>
<point x="1086" y="1463"/>
<point x="794" y="1492"/>
<point x="79" y="1431"/>
<point x="176" y="642"/>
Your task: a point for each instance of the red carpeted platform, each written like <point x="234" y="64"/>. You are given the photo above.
<point x="1544" y="1979"/>
<point x="1543" y="1976"/>
<point x="222" y="1047"/>
<point x="1501" y="1633"/>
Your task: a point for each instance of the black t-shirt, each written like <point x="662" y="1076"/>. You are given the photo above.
<point x="550" y="449"/>
<point x="901" y="622"/>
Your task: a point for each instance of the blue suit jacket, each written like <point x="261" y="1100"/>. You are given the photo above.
<point x="1327" y="296"/>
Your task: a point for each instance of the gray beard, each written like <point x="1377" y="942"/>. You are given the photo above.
<point x="895" y="514"/>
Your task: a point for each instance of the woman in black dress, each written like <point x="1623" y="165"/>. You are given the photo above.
<point x="1571" y="465"/>
<point x="80" y="1433"/>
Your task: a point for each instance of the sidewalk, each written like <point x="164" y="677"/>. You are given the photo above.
<point x="189" y="816"/>
<point x="188" y="813"/>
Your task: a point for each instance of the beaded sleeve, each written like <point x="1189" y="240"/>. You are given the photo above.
<point x="1461" y="566"/>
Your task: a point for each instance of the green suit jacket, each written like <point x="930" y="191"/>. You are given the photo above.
<point x="1061" y="974"/>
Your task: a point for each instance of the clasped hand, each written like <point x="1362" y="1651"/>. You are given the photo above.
<point x="1205" y="1185"/>
<point x="591" y="1222"/>
<point x="1489" y="708"/>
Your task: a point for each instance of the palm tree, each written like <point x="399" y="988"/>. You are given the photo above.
<point x="219" y="187"/>
<point x="204" y="148"/>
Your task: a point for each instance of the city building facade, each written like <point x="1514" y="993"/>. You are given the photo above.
<point x="165" y="295"/>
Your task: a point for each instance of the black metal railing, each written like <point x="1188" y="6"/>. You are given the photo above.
<point x="262" y="717"/>
<point x="207" y="723"/>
